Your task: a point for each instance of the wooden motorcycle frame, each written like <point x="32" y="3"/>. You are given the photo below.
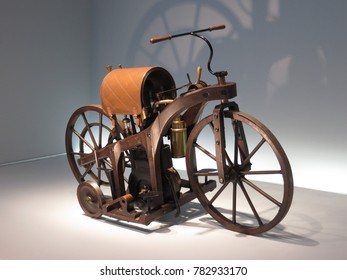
<point x="136" y="164"/>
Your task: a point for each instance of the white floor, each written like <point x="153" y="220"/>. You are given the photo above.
<point x="41" y="219"/>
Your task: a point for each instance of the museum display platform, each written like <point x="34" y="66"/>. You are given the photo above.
<point x="41" y="219"/>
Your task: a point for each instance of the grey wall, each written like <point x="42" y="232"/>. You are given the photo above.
<point x="44" y="73"/>
<point x="288" y="58"/>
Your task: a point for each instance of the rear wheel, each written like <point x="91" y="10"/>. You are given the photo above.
<point x="88" y="131"/>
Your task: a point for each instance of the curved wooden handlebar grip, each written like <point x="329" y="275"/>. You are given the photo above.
<point x="159" y="39"/>
<point x="217" y="27"/>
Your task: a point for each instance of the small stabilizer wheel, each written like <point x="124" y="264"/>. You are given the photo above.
<point x="90" y="198"/>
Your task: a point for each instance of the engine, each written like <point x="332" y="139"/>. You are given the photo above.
<point x="140" y="94"/>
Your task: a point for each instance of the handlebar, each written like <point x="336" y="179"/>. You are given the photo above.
<point x="169" y="37"/>
<point x="220" y="74"/>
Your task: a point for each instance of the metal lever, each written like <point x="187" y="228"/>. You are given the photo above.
<point x="198" y="74"/>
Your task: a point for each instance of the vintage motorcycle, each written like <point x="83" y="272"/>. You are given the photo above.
<point x="124" y="152"/>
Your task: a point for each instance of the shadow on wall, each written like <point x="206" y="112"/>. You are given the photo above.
<point x="272" y="42"/>
<point x="287" y="57"/>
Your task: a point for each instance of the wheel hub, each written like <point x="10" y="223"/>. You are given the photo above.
<point x="234" y="175"/>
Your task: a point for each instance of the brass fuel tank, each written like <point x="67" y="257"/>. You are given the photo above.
<point x="178" y="138"/>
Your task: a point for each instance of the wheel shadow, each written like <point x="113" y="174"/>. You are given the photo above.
<point x="298" y="233"/>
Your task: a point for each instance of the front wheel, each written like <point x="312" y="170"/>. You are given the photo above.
<point x="243" y="200"/>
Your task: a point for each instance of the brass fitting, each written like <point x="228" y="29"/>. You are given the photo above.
<point x="178" y="138"/>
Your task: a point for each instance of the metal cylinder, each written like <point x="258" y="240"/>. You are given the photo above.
<point x="178" y="138"/>
<point x="126" y="126"/>
<point x="127" y="90"/>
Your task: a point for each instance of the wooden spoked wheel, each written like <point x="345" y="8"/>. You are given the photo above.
<point x="89" y="130"/>
<point x="244" y="201"/>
